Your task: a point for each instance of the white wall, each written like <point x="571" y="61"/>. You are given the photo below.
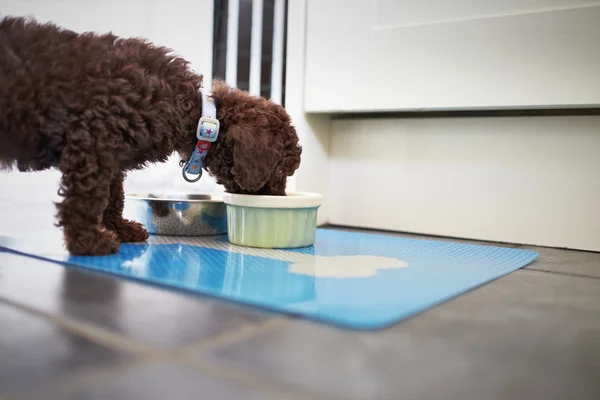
<point x="529" y="180"/>
<point x="184" y="25"/>
<point x="313" y="130"/>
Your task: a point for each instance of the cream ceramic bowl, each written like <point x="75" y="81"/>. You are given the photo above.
<point x="272" y="221"/>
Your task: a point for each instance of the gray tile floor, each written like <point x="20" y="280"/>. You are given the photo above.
<point x="71" y="334"/>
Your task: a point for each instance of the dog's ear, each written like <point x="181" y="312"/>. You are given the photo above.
<point x="255" y="159"/>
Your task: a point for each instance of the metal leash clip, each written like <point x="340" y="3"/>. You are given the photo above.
<point x="184" y="165"/>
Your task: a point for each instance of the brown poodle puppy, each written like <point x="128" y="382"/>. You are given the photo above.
<point x="97" y="106"/>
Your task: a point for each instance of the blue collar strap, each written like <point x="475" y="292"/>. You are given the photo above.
<point x="207" y="132"/>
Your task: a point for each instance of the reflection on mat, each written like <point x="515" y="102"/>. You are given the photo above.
<point x="356" y="280"/>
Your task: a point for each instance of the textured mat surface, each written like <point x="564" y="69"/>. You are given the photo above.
<point x="355" y="280"/>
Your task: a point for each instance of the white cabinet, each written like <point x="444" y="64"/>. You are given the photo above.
<point x="394" y="55"/>
<point x="527" y="180"/>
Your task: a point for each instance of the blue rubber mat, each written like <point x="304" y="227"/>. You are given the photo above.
<point x="355" y="280"/>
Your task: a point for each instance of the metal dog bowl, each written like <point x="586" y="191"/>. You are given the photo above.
<point x="179" y="215"/>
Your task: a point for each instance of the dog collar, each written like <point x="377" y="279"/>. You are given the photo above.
<point x="207" y="132"/>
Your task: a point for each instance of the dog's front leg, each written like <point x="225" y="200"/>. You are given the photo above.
<point x="85" y="185"/>
<point x="127" y="231"/>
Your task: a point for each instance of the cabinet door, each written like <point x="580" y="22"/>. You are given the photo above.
<point x="394" y="55"/>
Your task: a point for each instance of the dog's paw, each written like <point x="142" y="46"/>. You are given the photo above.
<point x="97" y="242"/>
<point x="131" y="232"/>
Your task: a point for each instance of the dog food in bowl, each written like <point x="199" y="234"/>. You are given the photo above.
<point x="272" y="221"/>
<point x="179" y="215"/>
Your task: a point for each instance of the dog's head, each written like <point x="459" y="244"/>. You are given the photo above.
<point x="257" y="149"/>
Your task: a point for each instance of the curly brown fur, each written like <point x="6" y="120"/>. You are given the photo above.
<point x="96" y="106"/>
<point x="259" y="148"/>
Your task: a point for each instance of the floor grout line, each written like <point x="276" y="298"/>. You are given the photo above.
<point x="144" y="354"/>
<point x="547" y="271"/>
<point x="119" y="342"/>
<point x="88" y="331"/>
<point x="221" y="372"/>
<point x="214" y="369"/>
<point x="233" y="336"/>
<point x="228" y="338"/>
<point x="89" y="375"/>
<point x="227" y="373"/>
